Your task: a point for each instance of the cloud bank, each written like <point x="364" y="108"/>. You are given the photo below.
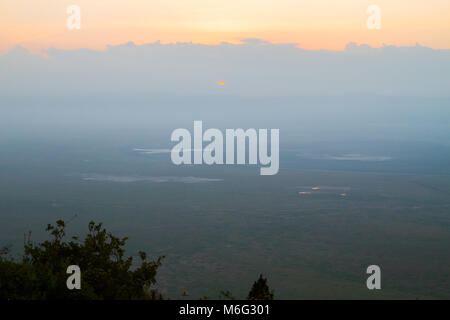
<point x="253" y="68"/>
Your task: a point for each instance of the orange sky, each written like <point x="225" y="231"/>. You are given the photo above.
<point x="313" y="24"/>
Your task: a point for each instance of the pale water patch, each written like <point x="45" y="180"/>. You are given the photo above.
<point x="151" y="151"/>
<point x="346" y="157"/>
<point x="154" y="179"/>
<point x="359" y="157"/>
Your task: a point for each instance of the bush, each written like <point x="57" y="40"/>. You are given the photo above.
<point x="106" y="273"/>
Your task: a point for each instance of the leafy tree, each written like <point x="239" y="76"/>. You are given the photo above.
<point x="105" y="271"/>
<point x="260" y="290"/>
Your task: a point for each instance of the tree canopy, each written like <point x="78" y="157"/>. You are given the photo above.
<point x="107" y="273"/>
<point x="260" y="290"/>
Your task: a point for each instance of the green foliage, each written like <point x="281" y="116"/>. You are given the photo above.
<point x="105" y="271"/>
<point x="260" y="290"/>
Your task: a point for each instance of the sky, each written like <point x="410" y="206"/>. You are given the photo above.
<point x="311" y="24"/>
